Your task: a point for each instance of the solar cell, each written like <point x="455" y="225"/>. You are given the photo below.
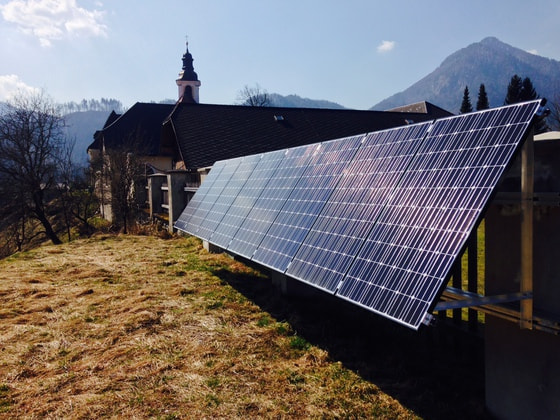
<point x="249" y="194"/>
<point x="227" y="196"/>
<point x="406" y="259"/>
<point x="199" y="196"/>
<point x="270" y="202"/>
<point x="342" y="226"/>
<point x="305" y="202"/>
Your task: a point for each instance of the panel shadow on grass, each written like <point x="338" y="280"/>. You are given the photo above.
<point x="437" y="372"/>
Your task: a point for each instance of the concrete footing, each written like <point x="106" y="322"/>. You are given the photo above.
<point x="211" y="247"/>
<point x="292" y="287"/>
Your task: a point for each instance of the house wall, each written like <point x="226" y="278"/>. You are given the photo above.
<point x="164" y="163"/>
<point x="142" y="194"/>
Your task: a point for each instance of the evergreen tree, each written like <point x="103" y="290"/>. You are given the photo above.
<point x="466" y="104"/>
<point x="521" y="91"/>
<point x="482" y="102"/>
<point x="515" y="86"/>
<point x="528" y="92"/>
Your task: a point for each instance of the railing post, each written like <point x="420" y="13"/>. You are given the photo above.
<point x="527" y="183"/>
<point x="472" y="285"/>
<point x="458" y="284"/>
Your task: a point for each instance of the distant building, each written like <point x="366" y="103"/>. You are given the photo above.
<point x="181" y="142"/>
<point x="139" y="126"/>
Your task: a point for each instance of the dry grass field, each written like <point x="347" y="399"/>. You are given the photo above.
<point x="143" y="327"/>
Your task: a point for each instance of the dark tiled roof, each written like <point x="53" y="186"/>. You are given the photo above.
<point x="113" y="116"/>
<point x="97" y="136"/>
<point x="208" y="133"/>
<point x="423" y="107"/>
<point x="143" y="122"/>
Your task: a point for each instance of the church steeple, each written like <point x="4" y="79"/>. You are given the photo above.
<point x="188" y="82"/>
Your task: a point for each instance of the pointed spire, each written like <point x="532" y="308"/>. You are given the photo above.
<point x="188" y="82"/>
<point x="188" y="72"/>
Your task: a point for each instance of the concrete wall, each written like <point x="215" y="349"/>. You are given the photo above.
<point x="177" y="197"/>
<point x="155" y="194"/>
<point x="522" y="372"/>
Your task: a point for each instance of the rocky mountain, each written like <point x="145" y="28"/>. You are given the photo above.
<point x="489" y="61"/>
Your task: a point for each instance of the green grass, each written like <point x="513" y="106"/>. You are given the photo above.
<point x="480" y="273"/>
<point x="299" y="343"/>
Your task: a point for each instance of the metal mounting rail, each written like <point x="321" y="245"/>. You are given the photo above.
<point x="453" y="298"/>
<point x="463" y="299"/>
<point x="549" y="199"/>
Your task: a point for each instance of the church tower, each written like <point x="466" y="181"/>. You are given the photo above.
<point x="188" y="80"/>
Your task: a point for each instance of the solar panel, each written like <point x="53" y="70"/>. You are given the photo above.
<point x="199" y="196"/>
<point x="270" y="202"/>
<point x="305" y="202"/>
<point x="212" y="195"/>
<point x="406" y="260"/>
<point x="378" y="221"/>
<point x="340" y="230"/>
<point x="246" y="199"/>
<point x="227" y="196"/>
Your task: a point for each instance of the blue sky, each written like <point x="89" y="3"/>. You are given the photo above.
<point x="354" y="52"/>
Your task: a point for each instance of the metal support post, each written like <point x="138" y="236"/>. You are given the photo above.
<point x="472" y="284"/>
<point x="527" y="184"/>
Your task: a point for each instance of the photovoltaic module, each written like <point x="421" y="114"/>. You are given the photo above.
<point x="377" y="219"/>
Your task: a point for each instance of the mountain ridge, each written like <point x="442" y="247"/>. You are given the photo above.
<point x="296" y="101"/>
<point x="80" y="127"/>
<point x="489" y="61"/>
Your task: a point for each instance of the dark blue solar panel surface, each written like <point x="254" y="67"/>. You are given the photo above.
<point x="340" y="230"/>
<point x="407" y="257"/>
<point x="212" y="195"/>
<point x="246" y="199"/>
<point x="228" y="195"/>
<point x="378" y="222"/>
<point x="199" y="196"/>
<point x="270" y="202"/>
<point x="305" y="202"/>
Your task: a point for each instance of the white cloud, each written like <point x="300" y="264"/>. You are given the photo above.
<point x="11" y="85"/>
<point x="386" y="46"/>
<point x="51" y="20"/>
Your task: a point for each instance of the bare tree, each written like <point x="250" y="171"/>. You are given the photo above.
<point x="76" y="198"/>
<point x="15" y="231"/>
<point x="254" y="96"/>
<point x="31" y="140"/>
<point x="122" y="176"/>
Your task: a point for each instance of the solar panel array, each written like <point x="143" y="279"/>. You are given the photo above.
<point x="377" y="219"/>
